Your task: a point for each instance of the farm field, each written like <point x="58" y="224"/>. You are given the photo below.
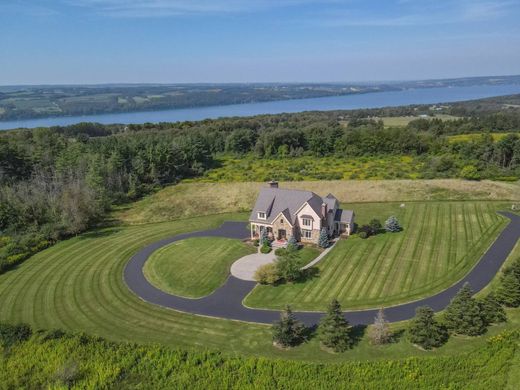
<point x="77" y="285"/>
<point x="440" y="243"/>
<point x="191" y="199"/>
<point x="194" y="267"/>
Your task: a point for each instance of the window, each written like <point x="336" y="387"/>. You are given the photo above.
<point x="281" y="221"/>
<point x="261" y="215"/>
<point x="306" y="222"/>
<point x="307" y="233"/>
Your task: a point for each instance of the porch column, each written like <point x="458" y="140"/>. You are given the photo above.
<point x="252" y="230"/>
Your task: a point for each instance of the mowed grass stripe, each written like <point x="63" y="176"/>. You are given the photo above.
<point x="440" y="243"/>
<point x="107" y="259"/>
<point x="393" y="277"/>
<point x="419" y="254"/>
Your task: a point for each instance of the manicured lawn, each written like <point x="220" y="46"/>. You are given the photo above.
<point x="308" y="253"/>
<point x="77" y="285"/>
<point x="194" y="267"/>
<point x="440" y="243"/>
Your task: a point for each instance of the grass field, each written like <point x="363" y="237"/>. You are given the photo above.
<point x="194" y="267"/>
<point x="474" y="136"/>
<point x="191" y="199"/>
<point x="440" y="243"/>
<point x="402" y="121"/>
<point x="250" y="168"/>
<point x="77" y="285"/>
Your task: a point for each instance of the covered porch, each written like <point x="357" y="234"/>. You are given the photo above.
<point x="275" y="234"/>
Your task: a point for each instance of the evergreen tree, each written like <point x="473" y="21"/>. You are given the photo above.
<point x="508" y="290"/>
<point x="380" y="331"/>
<point x="492" y="311"/>
<point x="264" y="238"/>
<point x="392" y="225"/>
<point x="292" y="243"/>
<point x="425" y="331"/>
<point x="463" y="315"/>
<point x="288" y="331"/>
<point x="323" y="240"/>
<point x="334" y="330"/>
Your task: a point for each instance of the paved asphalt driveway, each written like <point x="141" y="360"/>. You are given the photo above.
<point x="226" y="301"/>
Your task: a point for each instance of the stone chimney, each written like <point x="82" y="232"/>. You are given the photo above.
<point x="324" y="210"/>
<point x="273" y="184"/>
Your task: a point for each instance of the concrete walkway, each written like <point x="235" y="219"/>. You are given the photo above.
<point x="226" y="301"/>
<point x="245" y="267"/>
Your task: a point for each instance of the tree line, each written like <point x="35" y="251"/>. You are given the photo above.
<point x="58" y="181"/>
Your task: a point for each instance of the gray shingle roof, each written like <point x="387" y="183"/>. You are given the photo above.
<point x="331" y="202"/>
<point x="273" y="201"/>
<point x="344" y="216"/>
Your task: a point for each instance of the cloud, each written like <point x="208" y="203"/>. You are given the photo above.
<point x="420" y="13"/>
<point x="162" y="8"/>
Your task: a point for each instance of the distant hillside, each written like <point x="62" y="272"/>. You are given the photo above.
<point x="27" y="102"/>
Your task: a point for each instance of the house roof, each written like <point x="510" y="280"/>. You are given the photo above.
<point x="274" y="201"/>
<point x="344" y="216"/>
<point x="331" y="202"/>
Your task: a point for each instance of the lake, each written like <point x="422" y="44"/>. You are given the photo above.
<point x="368" y="100"/>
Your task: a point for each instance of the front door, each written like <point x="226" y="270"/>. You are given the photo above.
<point x="282" y="235"/>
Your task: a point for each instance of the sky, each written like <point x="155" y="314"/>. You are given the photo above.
<point x="187" y="41"/>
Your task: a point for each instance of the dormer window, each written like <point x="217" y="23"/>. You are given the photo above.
<point x="306" y="222"/>
<point x="261" y="215"/>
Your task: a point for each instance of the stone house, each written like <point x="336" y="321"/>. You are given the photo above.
<point x="302" y="214"/>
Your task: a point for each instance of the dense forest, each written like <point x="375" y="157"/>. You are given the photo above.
<point x="54" y="359"/>
<point x="56" y="182"/>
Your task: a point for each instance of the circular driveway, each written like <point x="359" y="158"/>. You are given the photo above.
<point x="245" y="267"/>
<point x="226" y="301"/>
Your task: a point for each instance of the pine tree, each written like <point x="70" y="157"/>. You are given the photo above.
<point x="264" y="238"/>
<point x="292" y="243"/>
<point x="323" y="240"/>
<point x="508" y="291"/>
<point x="492" y="311"/>
<point x="463" y="315"/>
<point x="380" y="331"/>
<point x="425" y="331"/>
<point x="334" y="330"/>
<point x="288" y="331"/>
<point x="392" y="225"/>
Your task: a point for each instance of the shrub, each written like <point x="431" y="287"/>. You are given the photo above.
<point x="334" y="330"/>
<point x="425" y="331"/>
<point x="267" y="274"/>
<point x="363" y="235"/>
<point x="380" y="333"/>
<point x="464" y="315"/>
<point x="392" y="225"/>
<point x="256" y="242"/>
<point x="12" y="334"/>
<point x="375" y="226"/>
<point x="265" y="248"/>
<point x="288" y="331"/>
<point x="280" y="251"/>
<point x="470" y="172"/>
